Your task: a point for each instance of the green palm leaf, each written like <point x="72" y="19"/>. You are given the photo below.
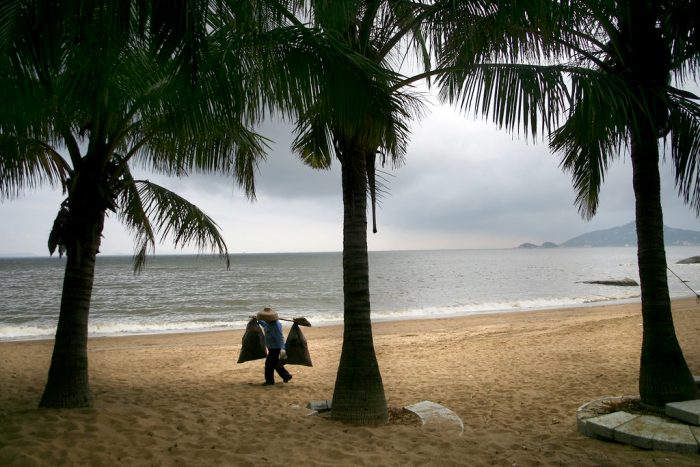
<point x="28" y="164"/>
<point x="515" y="96"/>
<point x="149" y="210"/>
<point x="8" y="15"/>
<point x="132" y="214"/>
<point x="313" y="141"/>
<point x="685" y="148"/>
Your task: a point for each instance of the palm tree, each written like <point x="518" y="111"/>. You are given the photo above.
<point x="606" y="66"/>
<point x="364" y="102"/>
<point x="360" y="116"/>
<point x="111" y="85"/>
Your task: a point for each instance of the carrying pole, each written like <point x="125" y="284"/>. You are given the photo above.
<point x="299" y="321"/>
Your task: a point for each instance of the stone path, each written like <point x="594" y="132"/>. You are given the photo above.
<point x="679" y="434"/>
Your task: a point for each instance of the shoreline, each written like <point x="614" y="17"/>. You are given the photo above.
<point x="393" y="318"/>
<point x="515" y="380"/>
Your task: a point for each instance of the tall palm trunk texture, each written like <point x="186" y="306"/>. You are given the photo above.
<point x="358" y="397"/>
<point x="664" y="375"/>
<point x="67" y="385"/>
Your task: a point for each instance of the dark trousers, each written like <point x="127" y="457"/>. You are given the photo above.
<point x="272" y="363"/>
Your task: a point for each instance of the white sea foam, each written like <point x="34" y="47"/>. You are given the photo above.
<point x="14" y="332"/>
<point x="117" y="328"/>
<point x="188" y="294"/>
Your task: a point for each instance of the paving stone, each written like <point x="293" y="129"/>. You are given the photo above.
<point x="583" y="427"/>
<point x="320" y="406"/>
<point x="639" y="431"/>
<point x="695" y="430"/>
<point x="645" y="432"/>
<point x="439" y="416"/>
<point x="688" y="411"/>
<point x="583" y="413"/>
<point x="604" y="426"/>
<point x="674" y="437"/>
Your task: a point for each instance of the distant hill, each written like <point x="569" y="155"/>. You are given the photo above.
<point x="623" y="235"/>
<point x="626" y="235"/>
<point x="528" y="246"/>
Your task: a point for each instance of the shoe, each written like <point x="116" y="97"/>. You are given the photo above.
<point x="267" y="384"/>
<point x="286" y="380"/>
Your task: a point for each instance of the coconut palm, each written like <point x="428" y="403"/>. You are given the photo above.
<point x="360" y="117"/>
<point x="91" y="90"/>
<point x="371" y="53"/>
<point x="608" y="69"/>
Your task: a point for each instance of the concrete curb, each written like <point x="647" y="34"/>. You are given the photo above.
<point x="643" y="431"/>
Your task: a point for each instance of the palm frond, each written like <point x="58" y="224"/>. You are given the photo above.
<point x="517" y="97"/>
<point x="180" y="130"/>
<point x="285" y="78"/>
<point x="405" y="107"/>
<point x="685" y="148"/>
<point x="681" y="24"/>
<point x="593" y="135"/>
<point x="9" y="10"/>
<point x="133" y="215"/>
<point x="152" y="210"/>
<point x="27" y="164"/>
<point x="402" y="22"/>
<point x="466" y="33"/>
<point x="586" y="162"/>
<point x="313" y="141"/>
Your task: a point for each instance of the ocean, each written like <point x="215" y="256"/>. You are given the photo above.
<point x="183" y="293"/>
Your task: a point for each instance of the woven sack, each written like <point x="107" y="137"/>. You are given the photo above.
<point x="253" y="347"/>
<point x="297" y="348"/>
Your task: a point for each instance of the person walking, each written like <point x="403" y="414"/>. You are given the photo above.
<point x="274" y="341"/>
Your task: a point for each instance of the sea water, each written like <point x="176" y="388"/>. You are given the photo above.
<point x="183" y="293"/>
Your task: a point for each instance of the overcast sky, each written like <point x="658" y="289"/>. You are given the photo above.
<point x="464" y="184"/>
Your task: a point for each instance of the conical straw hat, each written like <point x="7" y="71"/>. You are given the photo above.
<point x="268" y="315"/>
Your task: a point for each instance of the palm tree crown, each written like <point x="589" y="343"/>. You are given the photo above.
<point x="360" y="113"/>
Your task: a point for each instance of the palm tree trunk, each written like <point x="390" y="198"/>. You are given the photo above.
<point x="68" y="385"/>
<point x="358" y="397"/>
<point x="664" y="375"/>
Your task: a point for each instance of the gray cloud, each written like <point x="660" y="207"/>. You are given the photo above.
<point x="464" y="184"/>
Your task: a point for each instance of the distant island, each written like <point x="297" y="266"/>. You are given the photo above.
<point x="624" y="235"/>
<point x="544" y="245"/>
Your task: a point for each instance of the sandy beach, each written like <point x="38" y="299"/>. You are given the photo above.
<point x="515" y="379"/>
